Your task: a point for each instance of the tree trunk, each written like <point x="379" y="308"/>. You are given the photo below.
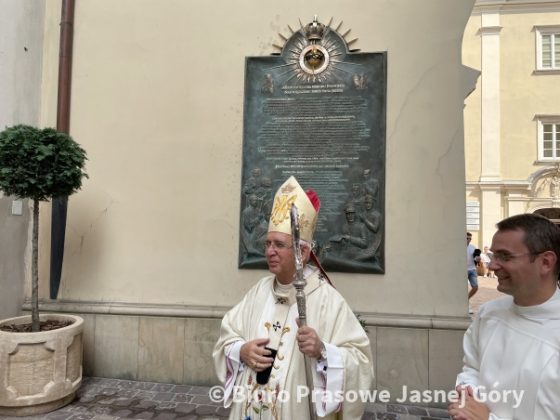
<point x="35" y="324"/>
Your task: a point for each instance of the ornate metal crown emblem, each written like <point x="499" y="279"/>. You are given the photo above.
<point x="315" y="30"/>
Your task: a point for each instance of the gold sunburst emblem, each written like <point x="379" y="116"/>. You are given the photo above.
<point x="315" y="51"/>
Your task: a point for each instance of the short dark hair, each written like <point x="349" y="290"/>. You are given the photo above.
<point x="540" y="234"/>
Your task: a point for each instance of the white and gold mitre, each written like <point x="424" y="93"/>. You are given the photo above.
<point x="291" y="193"/>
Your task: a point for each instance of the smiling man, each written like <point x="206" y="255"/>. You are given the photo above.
<point x="259" y="355"/>
<point x="512" y="349"/>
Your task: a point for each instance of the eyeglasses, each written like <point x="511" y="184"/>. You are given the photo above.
<point x="503" y="257"/>
<point x="277" y="245"/>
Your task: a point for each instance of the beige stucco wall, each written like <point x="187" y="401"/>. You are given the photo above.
<point x="157" y="103"/>
<point x="21" y="24"/>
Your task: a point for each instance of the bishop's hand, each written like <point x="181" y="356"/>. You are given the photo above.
<point x="308" y="340"/>
<point x="254" y="354"/>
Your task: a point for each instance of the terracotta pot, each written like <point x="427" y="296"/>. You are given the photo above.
<point x="40" y="371"/>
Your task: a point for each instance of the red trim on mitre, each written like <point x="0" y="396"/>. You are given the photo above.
<point x="314" y="198"/>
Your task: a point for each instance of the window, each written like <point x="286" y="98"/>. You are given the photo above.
<point x="549" y="138"/>
<point x="548" y="48"/>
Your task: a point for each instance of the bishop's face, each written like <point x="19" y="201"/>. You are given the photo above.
<point x="279" y="253"/>
<point x="280" y="256"/>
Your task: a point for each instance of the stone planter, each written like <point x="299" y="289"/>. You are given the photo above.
<point x="40" y="371"/>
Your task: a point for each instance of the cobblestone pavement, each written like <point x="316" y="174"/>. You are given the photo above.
<point x="109" y="399"/>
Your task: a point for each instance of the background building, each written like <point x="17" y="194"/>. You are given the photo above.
<point x="512" y="119"/>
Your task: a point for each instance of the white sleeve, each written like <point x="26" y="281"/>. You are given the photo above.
<point x="234" y="366"/>
<point x="471" y="359"/>
<point x="330" y="375"/>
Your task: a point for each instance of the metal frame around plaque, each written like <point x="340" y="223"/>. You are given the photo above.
<point x="317" y="111"/>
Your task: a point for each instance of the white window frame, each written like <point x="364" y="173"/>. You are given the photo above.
<point x="555" y="121"/>
<point x="541" y="31"/>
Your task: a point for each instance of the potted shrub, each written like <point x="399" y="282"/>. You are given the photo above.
<point x="39" y="370"/>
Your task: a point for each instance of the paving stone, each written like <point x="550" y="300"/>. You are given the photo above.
<point x="185" y="408"/>
<point x="123" y="402"/>
<point x="163" y="396"/>
<point x="100" y="410"/>
<point x="81" y="416"/>
<point x="373" y="407"/>
<point x="202" y="399"/>
<point x="166" y="416"/>
<point x="146" y="386"/>
<point x="144" y="415"/>
<point x="166" y="405"/>
<point x="394" y="408"/>
<point x="438" y="412"/>
<point x="205" y="410"/>
<point x="103" y="417"/>
<point x="144" y="404"/>
<point x="368" y="416"/>
<point x="417" y="411"/>
<point x="56" y="415"/>
<point x="128" y="393"/>
<point x="387" y="416"/>
<point x="106" y="401"/>
<point x="145" y="395"/>
<point x="122" y="413"/>
<point x="199" y="390"/>
<point x="180" y="389"/>
<point x="182" y="397"/>
<point x="108" y="391"/>
<point x="128" y="384"/>
<point x="163" y="387"/>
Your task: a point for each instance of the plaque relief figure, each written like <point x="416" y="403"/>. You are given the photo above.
<point x="264" y="190"/>
<point x="253" y="182"/>
<point x="258" y="238"/>
<point x="250" y="218"/>
<point x="254" y="218"/>
<point x="357" y="198"/>
<point x="371" y="185"/>
<point x="353" y="238"/>
<point x="372" y="220"/>
<point x="267" y="84"/>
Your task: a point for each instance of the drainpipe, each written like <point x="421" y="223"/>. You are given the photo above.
<point x="60" y="204"/>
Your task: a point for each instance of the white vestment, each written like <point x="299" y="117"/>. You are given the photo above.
<point x="510" y="348"/>
<point x="263" y="313"/>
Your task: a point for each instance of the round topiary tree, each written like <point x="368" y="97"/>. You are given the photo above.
<point x="39" y="164"/>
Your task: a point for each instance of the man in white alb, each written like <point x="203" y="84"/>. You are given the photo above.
<point x="512" y="349"/>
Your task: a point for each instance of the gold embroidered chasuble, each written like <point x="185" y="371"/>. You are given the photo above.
<point x="269" y="312"/>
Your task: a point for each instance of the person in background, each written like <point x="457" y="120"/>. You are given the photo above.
<point x="486" y="256"/>
<point x="471" y="266"/>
